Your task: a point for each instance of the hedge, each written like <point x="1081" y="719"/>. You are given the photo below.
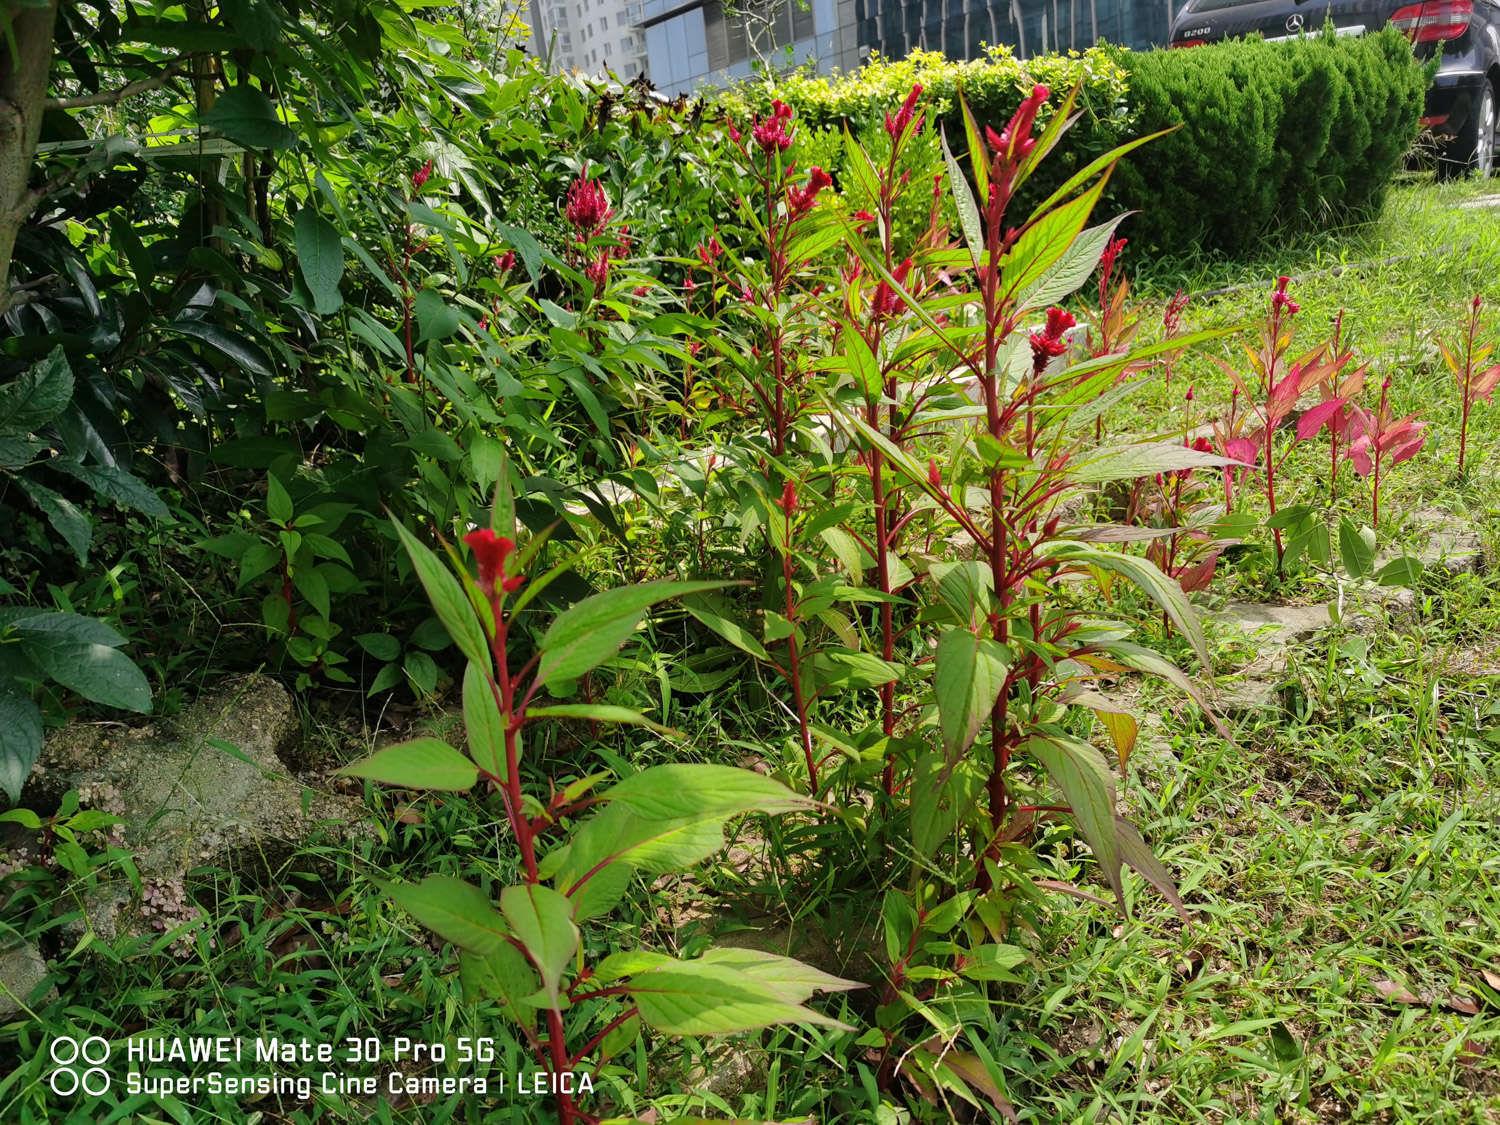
<point x="1272" y="138"/>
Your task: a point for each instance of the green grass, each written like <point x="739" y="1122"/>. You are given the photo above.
<point x="1347" y="842"/>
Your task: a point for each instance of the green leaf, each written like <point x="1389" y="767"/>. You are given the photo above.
<point x="1356" y="552"/>
<point x="1133" y="850"/>
<point x="66" y="518"/>
<point x="735" y="634"/>
<point x="246" y="116"/>
<point x="436" y="319"/>
<point x="969" y="673"/>
<point x="707" y="998"/>
<point x="20" y="741"/>
<point x="1405" y="571"/>
<point x="942" y="795"/>
<point x="422" y="671"/>
<point x="82" y="655"/>
<point x="861" y="364"/>
<point x="993" y="962"/>
<point x="314" y="587"/>
<point x="586" y="634"/>
<point x="503" y="975"/>
<point x="597" y="713"/>
<point x="1148" y="578"/>
<point x="483" y="725"/>
<point x="422" y="763"/>
<point x="1087" y="785"/>
<point x="38" y="396"/>
<point x="454" y="910"/>
<point x="382" y="646"/>
<point x="320" y="259"/>
<point x="245" y="353"/>
<point x="963" y="201"/>
<point x="447" y="596"/>
<point x="1071" y="270"/>
<point x="793" y="979"/>
<point x="124" y="488"/>
<point x="1142" y="459"/>
<point x="596" y="867"/>
<point x="686" y="789"/>
<point x="542" y="921"/>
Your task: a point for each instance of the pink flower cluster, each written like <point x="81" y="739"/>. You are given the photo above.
<point x="772" y="133"/>
<point x="896" y="125"/>
<point x="1047" y="342"/>
<point x="1015" y="141"/>
<point x="587" y="208"/>
<point x="800" y="200"/>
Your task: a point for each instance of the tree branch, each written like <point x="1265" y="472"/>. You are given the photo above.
<point x="115" y="97"/>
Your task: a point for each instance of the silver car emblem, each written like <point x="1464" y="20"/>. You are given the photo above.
<point x="1294" y="22"/>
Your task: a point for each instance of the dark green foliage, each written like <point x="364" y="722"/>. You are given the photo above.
<point x="1272" y="137"/>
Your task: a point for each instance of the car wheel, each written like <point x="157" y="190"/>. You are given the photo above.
<point x="1473" y="150"/>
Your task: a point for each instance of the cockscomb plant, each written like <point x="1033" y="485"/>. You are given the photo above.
<point x="893" y="373"/>
<point x="1475" y="380"/>
<point x="1259" y="406"/>
<point x="1338" y="387"/>
<point x="1019" y="653"/>
<point x="1382" y="441"/>
<point x="781" y="302"/>
<point x="577" y="847"/>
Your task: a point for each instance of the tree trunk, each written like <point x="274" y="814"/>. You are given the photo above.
<point x="25" y="63"/>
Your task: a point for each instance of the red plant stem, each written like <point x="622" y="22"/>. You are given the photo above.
<point x="593" y="1043"/>
<point x="883" y="537"/>
<point x="1466" y="388"/>
<point x="557" y="1046"/>
<point x="1271" y="488"/>
<point x="1333" y="460"/>
<point x="794" y="662"/>
<point x="999" y="743"/>
<point x="505" y="690"/>
<point x="1375" y="440"/>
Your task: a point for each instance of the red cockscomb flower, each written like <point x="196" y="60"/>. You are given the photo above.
<point x="491" y="552"/>
<point x="587" y="208"/>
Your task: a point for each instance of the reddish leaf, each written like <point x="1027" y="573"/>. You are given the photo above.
<point x="1313" y="420"/>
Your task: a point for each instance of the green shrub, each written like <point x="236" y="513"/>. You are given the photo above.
<point x="1270" y="138"/>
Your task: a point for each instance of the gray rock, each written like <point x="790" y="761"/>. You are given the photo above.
<point x="1452" y="543"/>
<point x="1275" y="624"/>
<point x="208" y="785"/>
<point x="22" y="971"/>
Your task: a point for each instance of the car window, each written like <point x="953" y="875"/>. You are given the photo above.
<point x="1218" y="5"/>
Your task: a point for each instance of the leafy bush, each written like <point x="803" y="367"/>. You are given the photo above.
<point x="1269" y="136"/>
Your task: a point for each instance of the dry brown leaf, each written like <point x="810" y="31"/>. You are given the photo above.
<point x="1391" y="991"/>
<point x="1491" y="978"/>
<point x="1465" y="1005"/>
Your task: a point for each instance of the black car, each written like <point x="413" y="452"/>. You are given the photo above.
<point x="1461" y="105"/>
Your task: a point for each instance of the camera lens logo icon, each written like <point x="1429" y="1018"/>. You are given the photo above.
<point x="80" y="1066"/>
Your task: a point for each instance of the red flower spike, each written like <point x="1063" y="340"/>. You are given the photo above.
<point x="789" y="498"/>
<point x="800" y="200"/>
<point x="587" y="208"/>
<point x="1047" y="342"/>
<point x="421" y="176"/>
<point x="490" y="552"/>
<point x="934" y="477"/>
